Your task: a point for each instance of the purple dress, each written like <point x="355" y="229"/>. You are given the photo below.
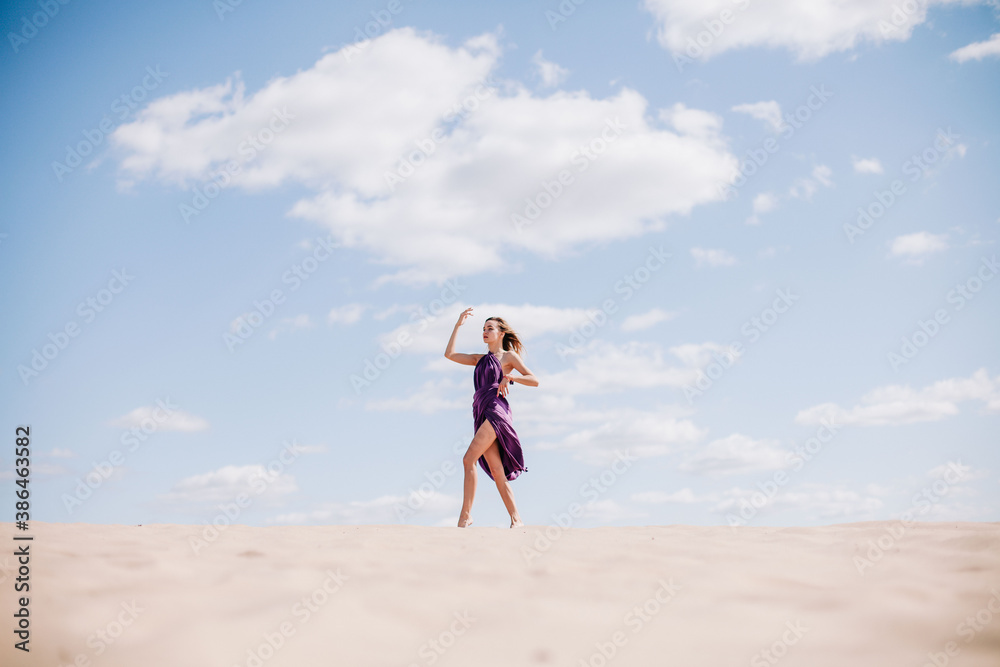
<point x="486" y="404"/>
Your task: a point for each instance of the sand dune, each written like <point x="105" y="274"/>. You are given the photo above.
<point x="140" y="596"/>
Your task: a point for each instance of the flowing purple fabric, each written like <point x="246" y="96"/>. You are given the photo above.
<point x="487" y="404"/>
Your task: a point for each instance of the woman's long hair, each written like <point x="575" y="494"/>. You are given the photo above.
<point x="510" y="339"/>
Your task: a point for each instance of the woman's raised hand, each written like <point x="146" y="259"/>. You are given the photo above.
<point x="463" y="316"/>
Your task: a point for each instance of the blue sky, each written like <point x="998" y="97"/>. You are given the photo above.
<point x="750" y="248"/>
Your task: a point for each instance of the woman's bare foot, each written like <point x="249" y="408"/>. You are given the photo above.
<point x="466" y="523"/>
<point x="516" y="523"/>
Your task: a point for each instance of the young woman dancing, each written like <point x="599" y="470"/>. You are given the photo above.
<point x="495" y="445"/>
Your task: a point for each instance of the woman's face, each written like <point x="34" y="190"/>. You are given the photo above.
<point x="491" y="332"/>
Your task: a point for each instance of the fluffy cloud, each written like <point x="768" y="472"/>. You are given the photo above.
<point x="347" y="314"/>
<point x="978" y="50"/>
<point x="468" y="155"/>
<point x="641" y="434"/>
<point x="227" y="482"/>
<point x="698" y="30"/>
<point x="867" y="165"/>
<point x="163" y="417"/>
<point x="737" y="454"/>
<point x="916" y="246"/>
<point x="900" y="404"/>
<point x="762" y="203"/>
<point x="549" y="72"/>
<point x="769" y="112"/>
<point x="805" y="188"/>
<point x="603" y="367"/>
<point x="429" y="330"/>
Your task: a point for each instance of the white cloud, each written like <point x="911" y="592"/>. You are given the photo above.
<point x="529" y="321"/>
<point x="916" y="246"/>
<point x="769" y="112"/>
<point x="712" y="257"/>
<point x="646" y="320"/>
<point x="602" y="367"/>
<point x="227" y="482"/>
<point x="641" y="434"/>
<point x="737" y="454"/>
<point x="693" y="122"/>
<point x="346" y="314"/>
<point x="810" y="30"/>
<point x="61" y="453"/>
<point x="869" y="165"/>
<point x="762" y="203"/>
<point x="978" y="50"/>
<point x="805" y="188"/>
<point x="549" y="72"/>
<point x="355" y="122"/>
<point x="900" y="404"/>
<point x="170" y="419"/>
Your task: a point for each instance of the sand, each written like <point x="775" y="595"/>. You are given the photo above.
<point x="140" y="596"/>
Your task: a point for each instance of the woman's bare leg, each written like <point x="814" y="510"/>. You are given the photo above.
<point x="480" y="442"/>
<point x="492" y="454"/>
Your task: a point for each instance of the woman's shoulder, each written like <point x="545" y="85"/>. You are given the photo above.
<point x="509" y="356"/>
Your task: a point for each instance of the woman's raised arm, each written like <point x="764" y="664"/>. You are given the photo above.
<point x="460" y="357"/>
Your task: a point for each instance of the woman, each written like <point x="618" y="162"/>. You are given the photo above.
<point x="495" y="445"/>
